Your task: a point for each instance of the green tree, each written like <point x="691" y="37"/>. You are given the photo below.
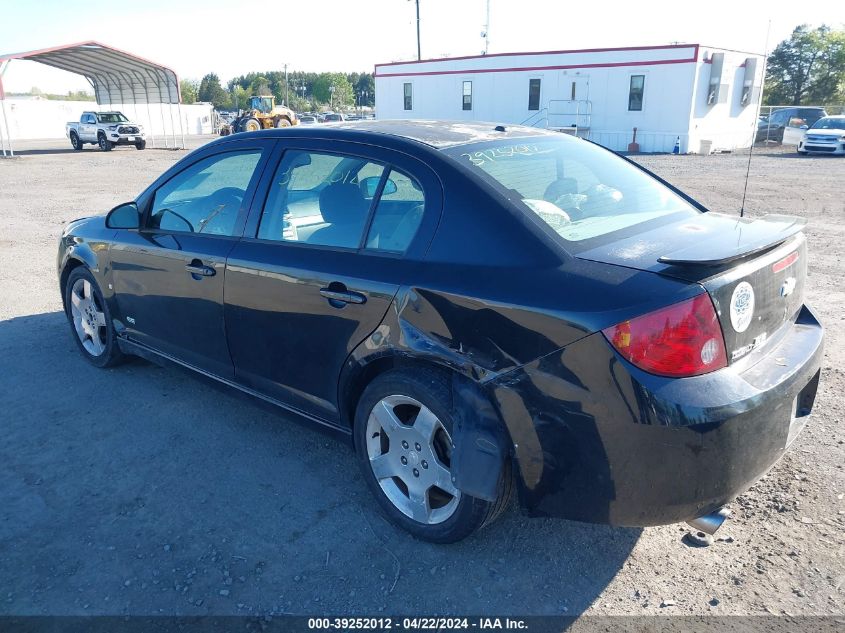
<point x="211" y="91"/>
<point x="342" y="94"/>
<point x="808" y="68"/>
<point x="189" y="90"/>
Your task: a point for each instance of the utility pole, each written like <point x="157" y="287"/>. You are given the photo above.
<point x="419" y="54"/>
<point x="486" y="32"/>
<point x="287" y="99"/>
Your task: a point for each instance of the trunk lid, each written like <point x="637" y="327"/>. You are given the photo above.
<point x="753" y="269"/>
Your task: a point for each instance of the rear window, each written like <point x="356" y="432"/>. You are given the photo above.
<point x="581" y="191"/>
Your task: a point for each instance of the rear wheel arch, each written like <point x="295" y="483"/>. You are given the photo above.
<point x="482" y="440"/>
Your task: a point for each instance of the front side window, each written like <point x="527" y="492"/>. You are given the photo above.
<point x="579" y="190"/>
<point x="635" y="93"/>
<point x="467" y="95"/>
<point x="409" y="101"/>
<point x="207" y="196"/>
<point x="533" y="94"/>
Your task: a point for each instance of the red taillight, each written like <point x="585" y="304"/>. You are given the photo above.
<point x="682" y="340"/>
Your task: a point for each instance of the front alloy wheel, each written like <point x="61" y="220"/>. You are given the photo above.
<point x="89" y="320"/>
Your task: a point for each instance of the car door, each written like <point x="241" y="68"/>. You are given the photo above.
<point x="168" y="275"/>
<point x="88" y="128"/>
<point x="339" y="228"/>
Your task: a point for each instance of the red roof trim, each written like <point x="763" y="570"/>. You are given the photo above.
<point x="535" y="68"/>
<point x="582" y="50"/>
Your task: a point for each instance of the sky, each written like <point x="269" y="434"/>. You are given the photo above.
<point x="194" y="37"/>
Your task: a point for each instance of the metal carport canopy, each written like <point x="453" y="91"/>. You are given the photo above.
<point x="115" y="75"/>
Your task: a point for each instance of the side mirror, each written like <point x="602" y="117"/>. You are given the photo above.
<point x="805" y="127"/>
<point x="369" y="186"/>
<point x="124" y="216"/>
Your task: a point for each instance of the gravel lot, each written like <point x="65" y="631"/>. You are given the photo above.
<point x="141" y="490"/>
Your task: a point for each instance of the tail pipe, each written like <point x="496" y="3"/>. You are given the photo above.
<point x="709" y="523"/>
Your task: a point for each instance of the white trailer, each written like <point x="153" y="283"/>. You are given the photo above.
<point x="704" y="97"/>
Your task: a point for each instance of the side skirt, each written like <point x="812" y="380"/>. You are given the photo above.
<point x="134" y="348"/>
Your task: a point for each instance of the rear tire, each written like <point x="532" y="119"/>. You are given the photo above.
<point x="75" y="142"/>
<point x="90" y="320"/>
<point x="104" y="143"/>
<point x="282" y="123"/>
<point x="393" y="423"/>
<point x="141" y="145"/>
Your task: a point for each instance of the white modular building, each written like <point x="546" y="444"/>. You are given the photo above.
<point x="702" y="97"/>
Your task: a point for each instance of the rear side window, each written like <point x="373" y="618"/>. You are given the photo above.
<point x="398" y="214"/>
<point x="330" y="200"/>
<point x="207" y="196"/>
<point x="321" y="199"/>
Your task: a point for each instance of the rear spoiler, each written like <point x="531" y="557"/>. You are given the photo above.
<point x="749" y="237"/>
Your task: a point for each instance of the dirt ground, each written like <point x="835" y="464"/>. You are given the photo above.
<point x="141" y="490"/>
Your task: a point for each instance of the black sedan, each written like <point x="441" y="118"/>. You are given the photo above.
<point x="479" y="309"/>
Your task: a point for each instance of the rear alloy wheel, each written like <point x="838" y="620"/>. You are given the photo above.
<point x="90" y="321"/>
<point x="104" y="143"/>
<point x="404" y="444"/>
<point x="75" y="142"/>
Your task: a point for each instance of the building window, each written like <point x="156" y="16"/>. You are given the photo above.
<point x="533" y="94"/>
<point x="467" y="103"/>
<point x="409" y="101"/>
<point x="635" y="93"/>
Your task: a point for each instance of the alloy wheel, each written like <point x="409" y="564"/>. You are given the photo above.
<point x="89" y="320"/>
<point x="410" y="455"/>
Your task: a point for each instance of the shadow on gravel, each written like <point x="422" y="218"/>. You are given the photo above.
<point x="140" y="490"/>
<point x="37" y="152"/>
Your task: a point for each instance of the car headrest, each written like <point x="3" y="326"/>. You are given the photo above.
<point x="342" y="203"/>
<point x="560" y="187"/>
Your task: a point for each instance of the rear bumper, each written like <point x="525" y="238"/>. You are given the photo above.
<point x="599" y="440"/>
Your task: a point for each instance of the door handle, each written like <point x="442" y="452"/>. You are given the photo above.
<point x="342" y="296"/>
<point x="198" y="268"/>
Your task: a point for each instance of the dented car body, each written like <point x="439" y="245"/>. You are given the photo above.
<point x="636" y="358"/>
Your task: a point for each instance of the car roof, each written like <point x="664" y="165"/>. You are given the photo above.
<point x="437" y="134"/>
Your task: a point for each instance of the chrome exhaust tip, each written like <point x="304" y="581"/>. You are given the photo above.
<point x="709" y="523"/>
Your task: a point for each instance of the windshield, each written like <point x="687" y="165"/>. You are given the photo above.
<point x="580" y="190"/>
<point x="111" y="117"/>
<point x="829" y="123"/>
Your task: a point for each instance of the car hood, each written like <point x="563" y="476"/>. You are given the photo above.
<point x="695" y="248"/>
<point x="825" y="132"/>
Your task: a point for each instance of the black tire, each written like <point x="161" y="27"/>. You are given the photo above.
<point x="431" y="388"/>
<point x="75" y="142"/>
<point x="104" y="143"/>
<point x="283" y="122"/>
<point x="111" y="355"/>
<point x="251" y="121"/>
<point x="141" y="145"/>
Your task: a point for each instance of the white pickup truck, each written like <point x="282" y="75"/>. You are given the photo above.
<point x="105" y="129"/>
